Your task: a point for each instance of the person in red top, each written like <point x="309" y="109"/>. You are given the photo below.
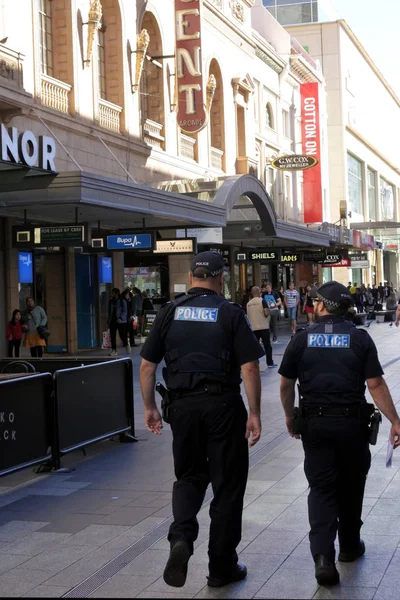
<point x="14" y="333"/>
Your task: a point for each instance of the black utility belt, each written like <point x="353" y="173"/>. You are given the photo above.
<point x="363" y="410"/>
<point x="208" y="389"/>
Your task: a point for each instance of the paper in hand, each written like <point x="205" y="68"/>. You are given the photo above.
<point x="389" y="454"/>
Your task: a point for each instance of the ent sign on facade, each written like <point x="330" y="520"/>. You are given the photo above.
<point x="189" y="68"/>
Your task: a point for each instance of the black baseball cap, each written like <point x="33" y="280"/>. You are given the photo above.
<point x="334" y="295"/>
<point x="207" y="264"/>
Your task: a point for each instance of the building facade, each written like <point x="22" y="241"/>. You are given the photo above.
<point x="363" y="158"/>
<point x="95" y="89"/>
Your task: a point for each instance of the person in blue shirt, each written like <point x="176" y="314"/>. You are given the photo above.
<point x="274" y="303"/>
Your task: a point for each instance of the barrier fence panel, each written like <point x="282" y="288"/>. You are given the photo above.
<point x="51" y="365"/>
<point x="92" y="403"/>
<point x="26" y="421"/>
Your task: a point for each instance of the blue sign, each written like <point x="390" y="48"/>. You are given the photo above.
<point x="105" y="269"/>
<point x="130" y="241"/>
<point x="328" y="340"/>
<point x="25" y="267"/>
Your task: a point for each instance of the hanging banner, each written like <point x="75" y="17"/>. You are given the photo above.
<point x="310" y="126"/>
<point x="191" y="115"/>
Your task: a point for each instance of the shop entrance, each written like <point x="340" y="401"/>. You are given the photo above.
<point x="85" y="301"/>
<point x="148" y="275"/>
<point x="49" y="291"/>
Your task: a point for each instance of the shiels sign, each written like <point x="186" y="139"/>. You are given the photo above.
<point x="189" y="69"/>
<point x="295" y="162"/>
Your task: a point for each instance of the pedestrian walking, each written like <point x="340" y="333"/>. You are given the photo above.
<point x="292" y="300"/>
<point x="207" y="342"/>
<point x="332" y="361"/>
<point x="130" y="320"/>
<point x="14" y="334"/>
<point x="35" y="325"/>
<point x="308" y="305"/>
<point x="274" y="303"/>
<point x="259" y="317"/>
<point x="117" y="318"/>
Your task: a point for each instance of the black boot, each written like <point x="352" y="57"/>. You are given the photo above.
<point x="325" y="571"/>
<point x="175" y="572"/>
<point x="352" y="556"/>
<point x="238" y="573"/>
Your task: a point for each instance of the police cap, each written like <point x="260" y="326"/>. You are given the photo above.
<point x="334" y="295"/>
<point x="207" y="264"/>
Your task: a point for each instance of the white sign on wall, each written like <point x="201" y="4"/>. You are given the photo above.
<point x="181" y="246"/>
<point x="204" y="235"/>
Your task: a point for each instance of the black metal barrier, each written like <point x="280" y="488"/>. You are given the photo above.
<point x="51" y="365"/>
<point x="92" y="403"/>
<point x="26" y="422"/>
<point x="74" y="403"/>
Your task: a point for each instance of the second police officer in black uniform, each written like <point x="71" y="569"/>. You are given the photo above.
<point x="207" y="343"/>
<point x="332" y="360"/>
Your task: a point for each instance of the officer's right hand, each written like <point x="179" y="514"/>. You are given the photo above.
<point x="395" y="434"/>
<point x="153" y="420"/>
<point x="253" y="429"/>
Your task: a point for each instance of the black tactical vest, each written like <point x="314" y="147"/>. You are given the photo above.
<point x="198" y="345"/>
<point x="330" y="370"/>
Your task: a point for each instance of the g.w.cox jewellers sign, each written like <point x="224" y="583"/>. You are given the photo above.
<point x="130" y="241"/>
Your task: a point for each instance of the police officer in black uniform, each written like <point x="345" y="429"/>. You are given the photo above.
<point x="206" y="342"/>
<point x="332" y="360"/>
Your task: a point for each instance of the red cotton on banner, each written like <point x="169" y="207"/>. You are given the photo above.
<point x="189" y="68"/>
<point x="310" y="128"/>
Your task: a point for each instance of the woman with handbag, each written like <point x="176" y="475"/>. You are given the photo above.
<point x="34" y="324"/>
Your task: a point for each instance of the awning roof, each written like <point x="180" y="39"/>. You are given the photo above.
<point x="240" y="204"/>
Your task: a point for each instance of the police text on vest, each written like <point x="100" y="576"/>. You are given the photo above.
<point x="195" y="313"/>
<point x="328" y="340"/>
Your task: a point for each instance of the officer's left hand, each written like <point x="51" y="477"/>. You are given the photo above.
<point x="289" y="425"/>
<point x="153" y="420"/>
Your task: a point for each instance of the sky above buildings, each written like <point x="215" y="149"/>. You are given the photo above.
<point x="376" y="24"/>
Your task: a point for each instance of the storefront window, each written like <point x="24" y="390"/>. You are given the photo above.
<point x="146" y="279"/>
<point x="387" y="200"/>
<point x="326" y="274"/>
<point x="270" y="182"/>
<point x="371" y="194"/>
<point x="355" y="189"/>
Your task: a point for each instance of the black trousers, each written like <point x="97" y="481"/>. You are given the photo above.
<point x="337" y="461"/>
<point x="36" y="351"/>
<point x="130" y="333"/>
<point x="209" y="445"/>
<point x="121" y="328"/>
<point x="14" y="348"/>
<point x="265" y="336"/>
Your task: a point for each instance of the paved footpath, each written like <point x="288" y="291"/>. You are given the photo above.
<point x="100" y="530"/>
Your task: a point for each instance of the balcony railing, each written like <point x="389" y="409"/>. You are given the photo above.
<point x="152" y="134"/>
<point x="187" y="147"/>
<point x="109" y="115"/>
<point x="216" y="158"/>
<point x="55" y="93"/>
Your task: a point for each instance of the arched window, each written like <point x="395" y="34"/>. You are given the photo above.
<point x="269" y="116"/>
<point x="217" y="121"/>
<point x="152" y="87"/>
<point x="110" y="77"/>
<point x="55" y="54"/>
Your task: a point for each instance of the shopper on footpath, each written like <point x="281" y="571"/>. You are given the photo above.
<point x="259" y="317"/>
<point x="332" y="361"/>
<point x="117" y="317"/>
<point x="14" y="334"/>
<point x="292" y="300"/>
<point x="274" y="303"/>
<point x="34" y="319"/>
<point x="207" y="344"/>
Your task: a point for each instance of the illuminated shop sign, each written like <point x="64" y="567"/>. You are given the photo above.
<point x="178" y="246"/>
<point x="130" y="241"/>
<point x="25" y="267"/>
<point x="27" y="149"/>
<point x="189" y="69"/>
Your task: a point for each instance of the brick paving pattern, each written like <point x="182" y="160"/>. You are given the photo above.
<point x="102" y="527"/>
